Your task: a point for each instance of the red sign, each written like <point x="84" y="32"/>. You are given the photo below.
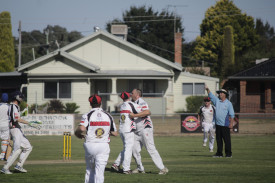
<point x="191" y="123"/>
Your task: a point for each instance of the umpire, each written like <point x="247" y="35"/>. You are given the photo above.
<point x="224" y="121"/>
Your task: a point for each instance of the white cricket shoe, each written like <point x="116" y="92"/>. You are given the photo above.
<point x="20" y="169"/>
<point x="5" y="171"/>
<point x="138" y="171"/>
<point x="115" y="167"/>
<point x="163" y="171"/>
<point x="204" y="144"/>
<point x="211" y="150"/>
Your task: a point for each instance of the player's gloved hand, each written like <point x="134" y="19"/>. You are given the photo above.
<point x="24" y="112"/>
<point x="36" y="124"/>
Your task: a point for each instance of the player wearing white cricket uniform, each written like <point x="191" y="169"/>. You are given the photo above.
<point x="206" y="116"/>
<point x="21" y="145"/>
<point x="127" y="127"/>
<point x="4" y="125"/>
<point x="98" y="126"/>
<point x="144" y="136"/>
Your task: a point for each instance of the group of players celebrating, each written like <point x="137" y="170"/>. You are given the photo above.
<point x="136" y="131"/>
<point x="96" y="126"/>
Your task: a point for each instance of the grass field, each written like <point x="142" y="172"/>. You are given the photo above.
<point x="253" y="158"/>
<point x="253" y="161"/>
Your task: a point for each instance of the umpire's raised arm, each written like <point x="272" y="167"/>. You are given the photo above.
<point x="207" y="89"/>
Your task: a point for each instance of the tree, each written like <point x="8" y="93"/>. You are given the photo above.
<point x="151" y="30"/>
<point x="6" y="43"/>
<point x="209" y="44"/>
<point x="265" y="48"/>
<point x="37" y="40"/>
<point x="228" y="59"/>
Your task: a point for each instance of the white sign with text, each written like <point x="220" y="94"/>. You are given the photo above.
<point x="52" y="124"/>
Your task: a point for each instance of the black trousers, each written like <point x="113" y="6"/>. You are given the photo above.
<point x="223" y="135"/>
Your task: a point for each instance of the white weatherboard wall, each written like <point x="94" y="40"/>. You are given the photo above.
<point x="80" y="93"/>
<point x="111" y="55"/>
<point x="186" y="77"/>
<point x="55" y="66"/>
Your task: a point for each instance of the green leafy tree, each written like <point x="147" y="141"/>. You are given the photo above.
<point x="265" y="48"/>
<point x="228" y="59"/>
<point x="151" y="30"/>
<point x="210" y="43"/>
<point x="7" y="57"/>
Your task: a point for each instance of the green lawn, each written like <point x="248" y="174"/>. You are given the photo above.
<point x="253" y="161"/>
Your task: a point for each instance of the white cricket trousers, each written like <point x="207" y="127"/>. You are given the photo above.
<point x="96" y="156"/>
<point x="125" y="155"/>
<point x="146" y="138"/>
<point x="209" y="128"/>
<point x="21" y="146"/>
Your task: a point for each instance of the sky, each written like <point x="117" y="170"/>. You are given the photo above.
<point x="84" y="15"/>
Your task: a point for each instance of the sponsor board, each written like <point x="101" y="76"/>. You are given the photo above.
<point x="52" y="124"/>
<point x="190" y="123"/>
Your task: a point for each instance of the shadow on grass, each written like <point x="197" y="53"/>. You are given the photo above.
<point x="200" y="155"/>
<point x="121" y="171"/>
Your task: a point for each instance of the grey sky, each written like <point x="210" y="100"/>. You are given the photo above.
<point x="83" y="15"/>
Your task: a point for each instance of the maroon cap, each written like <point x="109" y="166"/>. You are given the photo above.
<point x="125" y="95"/>
<point x="95" y="99"/>
<point x="207" y="99"/>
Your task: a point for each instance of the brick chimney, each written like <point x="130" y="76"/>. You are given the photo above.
<point x="178" y="48"/>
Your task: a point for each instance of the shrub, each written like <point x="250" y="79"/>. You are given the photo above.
<point x="55" y="106"/>
<point x="193" y="103"/>
<point x="71" y="108"/>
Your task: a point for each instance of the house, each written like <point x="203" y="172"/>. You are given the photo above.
<point x="255" y="88"/>
<point x="106" y="64"/>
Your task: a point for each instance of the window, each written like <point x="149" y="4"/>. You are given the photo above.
<point x="199" y="89"/>
<point x="64" y="89"/>
<point x="146" y="86"/>
<point x="193" y="89"/>
<point x="56" y="90"/>
<point x="135" y="84"/>
<point x="149" y="86"/>
<point x="50" y="90"/>
<point x="187" y="88"/>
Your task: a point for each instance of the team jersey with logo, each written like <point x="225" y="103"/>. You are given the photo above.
<point x="98" y="124"/>
<point x="14" y="115"/>
<point x="4" y="116"/>
<point x="207" y="114"/>
<point x="146" y="121"/>
<point x="126" y="124"/>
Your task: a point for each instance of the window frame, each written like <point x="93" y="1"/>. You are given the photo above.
<point x="58" y="90"/>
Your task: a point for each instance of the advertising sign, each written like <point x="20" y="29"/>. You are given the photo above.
<point x="190" y="123"/>
<point x="52" y="124"/>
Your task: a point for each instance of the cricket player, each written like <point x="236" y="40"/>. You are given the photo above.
<point x="144" y="136"/>
<point x="126" y="129"/>
<point x="21" y="145"/>
<point x="206" y="116"/>
<point x="4" y="125"/>
<point x="96" y="127"/>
